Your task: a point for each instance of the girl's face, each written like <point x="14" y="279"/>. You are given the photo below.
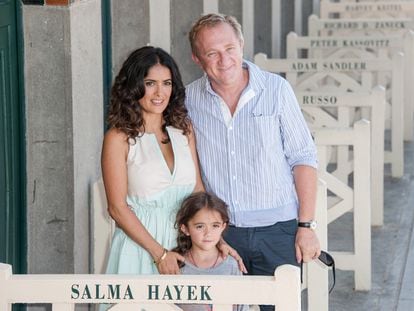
<point x="158" y="89"/>
<point x="205" y="229"/>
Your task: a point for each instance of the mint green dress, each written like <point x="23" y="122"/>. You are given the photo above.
<point x="154" y="195"/>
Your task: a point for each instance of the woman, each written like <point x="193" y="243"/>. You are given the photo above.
<point x="149" y="163"/>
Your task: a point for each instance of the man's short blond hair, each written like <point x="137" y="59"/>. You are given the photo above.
<point x="211" y="20"/>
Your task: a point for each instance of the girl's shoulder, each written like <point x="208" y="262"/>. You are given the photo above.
<point x="231" y="265"/>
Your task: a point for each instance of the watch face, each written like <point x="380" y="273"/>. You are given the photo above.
<point x="311" y="224"/>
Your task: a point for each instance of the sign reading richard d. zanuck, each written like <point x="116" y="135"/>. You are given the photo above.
<point x="148" y="292"/>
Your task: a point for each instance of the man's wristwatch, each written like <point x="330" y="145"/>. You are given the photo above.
<point x="308" y="224"/>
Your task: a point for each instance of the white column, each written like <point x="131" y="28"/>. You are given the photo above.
<point x="316" y="8"/>
<point x="298" y="17"/>
<point x="159" y="13"/>
<point x="210" y="6"/>
<point x="248" y="28"/>
<point x="276" y="28"/>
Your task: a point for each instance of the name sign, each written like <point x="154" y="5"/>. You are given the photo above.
<point x="327" y="100"/>
<point x="374" y="7"/>
<point x="328" y="66"/>
<point x="153" y="292"/>
<point x="355" y="25"/>
<point x="360" y="42"/>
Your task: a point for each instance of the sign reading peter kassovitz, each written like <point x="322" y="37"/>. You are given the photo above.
<point x="173" y="292"/>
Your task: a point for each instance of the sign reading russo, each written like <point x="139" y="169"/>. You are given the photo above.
<point x="154" y="292"/>
<point x="319" y="100"/>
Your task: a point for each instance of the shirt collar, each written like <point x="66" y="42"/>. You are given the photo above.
<point x="256" y="79"/>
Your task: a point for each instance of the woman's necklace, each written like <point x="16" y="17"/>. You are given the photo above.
<point x="195" y="264"/>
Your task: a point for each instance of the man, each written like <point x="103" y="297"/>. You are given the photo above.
<point x="255" y="150"/>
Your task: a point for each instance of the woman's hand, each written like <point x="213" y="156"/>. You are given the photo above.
<point x="169" y="265"/>
<point x="226" y="250"/>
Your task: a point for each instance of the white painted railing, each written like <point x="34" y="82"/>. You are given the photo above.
<point x="153" y="292"/>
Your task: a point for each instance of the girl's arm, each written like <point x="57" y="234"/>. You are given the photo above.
<point x="192" y="142"/>
<point x="114" y="173"/>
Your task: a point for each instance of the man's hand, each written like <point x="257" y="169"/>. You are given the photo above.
<point x="307" y="245"/>
<point x="226" y="250"/>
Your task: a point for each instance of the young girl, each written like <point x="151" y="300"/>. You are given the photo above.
<point x="201" y="221"/>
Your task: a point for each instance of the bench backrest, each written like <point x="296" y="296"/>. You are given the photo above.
<point x="102" y="228"/>
<point x="353" y="198"/>
<point x="361" y="26"/>
<point x="154" y="291"/>
<point x="375" y="9"/>
<point x="318" y="106"/>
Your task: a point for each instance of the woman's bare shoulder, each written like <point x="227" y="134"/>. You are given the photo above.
<point x="114" y="134"/>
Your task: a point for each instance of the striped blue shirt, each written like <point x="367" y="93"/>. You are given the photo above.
<point x="247" y="159"/>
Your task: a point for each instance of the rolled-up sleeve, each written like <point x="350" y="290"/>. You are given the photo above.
<point x="299" y="147"/>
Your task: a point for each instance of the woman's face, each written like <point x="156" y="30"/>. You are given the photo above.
<point x="158" y="89"/>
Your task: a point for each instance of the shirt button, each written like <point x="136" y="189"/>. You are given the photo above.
<point x="230" y="128"/>
<point x="232" y="152"/>
<point x="234" y="177"/>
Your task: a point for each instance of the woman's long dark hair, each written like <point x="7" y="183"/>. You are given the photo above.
<point x="190" y="206"/>
<point x="125" y="112"/>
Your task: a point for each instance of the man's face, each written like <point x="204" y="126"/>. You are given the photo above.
<point x="220" y="54"/>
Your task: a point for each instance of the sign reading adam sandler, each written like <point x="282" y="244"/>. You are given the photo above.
<point x="321" y="65"/>
<point x="149" y="292"/>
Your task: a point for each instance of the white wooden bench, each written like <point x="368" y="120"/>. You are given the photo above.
<point x="347" y="198"/>
<point x="153" y="292"/>
<point x="339" y="46"/>
<point x="376" y="9"/>
<point x="315" y="277"/>
<point x="102" y="228"/>
<point x="349" y="75"/>
<point x="313" y="104"/>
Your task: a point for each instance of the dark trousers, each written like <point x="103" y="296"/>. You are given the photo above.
<point x="264" y="248"/>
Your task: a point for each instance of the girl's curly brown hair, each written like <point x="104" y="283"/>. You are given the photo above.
<point x="125" y="112"/>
